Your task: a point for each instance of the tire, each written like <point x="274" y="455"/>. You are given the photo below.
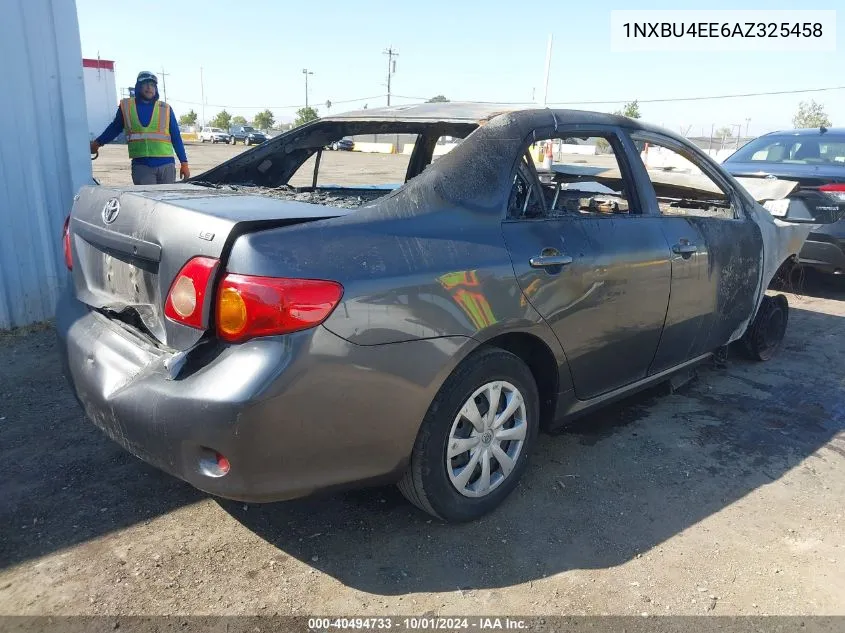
<point x="202" y="140"/>
<point x="427" y="483"/>
<point x="764" y="337"/>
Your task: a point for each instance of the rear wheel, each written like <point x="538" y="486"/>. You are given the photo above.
<point x="474" y="442"/>
<point x="765" y="335"/>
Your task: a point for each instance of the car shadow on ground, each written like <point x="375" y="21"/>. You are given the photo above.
<point x="66" y="483"/>
<point x="617" y="484"/>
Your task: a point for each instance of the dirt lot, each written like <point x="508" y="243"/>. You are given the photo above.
<point x="722" y="498"/>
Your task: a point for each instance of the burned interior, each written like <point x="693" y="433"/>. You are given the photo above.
<point x="596" y="182"/>
<point x="584" y="177"/>
<point x="268" y="169"/>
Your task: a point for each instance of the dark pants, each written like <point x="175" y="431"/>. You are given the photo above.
<point x="145" y="175"/>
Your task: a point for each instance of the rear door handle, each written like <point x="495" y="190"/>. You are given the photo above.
<point x="684" y="248"/>
<point x="548" y="261"/>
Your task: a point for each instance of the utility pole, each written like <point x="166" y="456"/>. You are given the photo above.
<point x="202" y="93"/>
<point x="391" y="67"/>
<point x="164" y="83"/>
<point x="306" y="72"/>
<point x="747" y="123"/>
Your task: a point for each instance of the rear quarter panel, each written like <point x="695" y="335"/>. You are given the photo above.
<point x="427" y="275"/>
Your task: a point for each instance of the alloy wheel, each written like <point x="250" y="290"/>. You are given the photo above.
<point x="486" y="439"/>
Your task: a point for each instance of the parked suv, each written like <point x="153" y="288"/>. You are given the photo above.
<point x="213" y="135"/>
<point x="246" y="135"/>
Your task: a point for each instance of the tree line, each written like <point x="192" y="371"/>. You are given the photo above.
<point x="808" y="115"/>
<point x="261" y="121"/>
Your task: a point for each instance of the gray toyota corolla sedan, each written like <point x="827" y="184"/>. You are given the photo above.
<point x="264" y="341"/>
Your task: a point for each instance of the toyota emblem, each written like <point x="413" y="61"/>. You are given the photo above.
<point x="111" y="210"/>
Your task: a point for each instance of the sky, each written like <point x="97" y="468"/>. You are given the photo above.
<point x="252" y="54"/>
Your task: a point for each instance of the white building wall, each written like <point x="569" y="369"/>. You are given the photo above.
<point x="100" y="94"/>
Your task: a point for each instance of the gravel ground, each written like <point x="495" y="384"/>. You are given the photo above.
<point x="722" y="498"/>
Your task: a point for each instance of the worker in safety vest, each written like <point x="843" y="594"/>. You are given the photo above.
<point x="152" y="134"/>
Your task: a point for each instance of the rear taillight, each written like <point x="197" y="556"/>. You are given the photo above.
<point x="66" y="244"/>
<point x="249" y="306"/>
<point x="834" y="190"/>
<point x="187" y="293"/>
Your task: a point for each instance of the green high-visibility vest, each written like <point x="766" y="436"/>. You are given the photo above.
<point x="151" y="141"/>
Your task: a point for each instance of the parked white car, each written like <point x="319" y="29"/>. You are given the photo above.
<point x="213" y="135"/>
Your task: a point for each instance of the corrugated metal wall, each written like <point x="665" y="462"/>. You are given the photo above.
<point x="43" y="138"/>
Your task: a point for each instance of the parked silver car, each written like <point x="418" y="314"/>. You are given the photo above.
<point x="213" y="135"/>
<point x="263" y="347"/>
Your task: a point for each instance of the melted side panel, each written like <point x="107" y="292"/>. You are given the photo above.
<point x="781" y="241"/>
<point x="736" y="267"/>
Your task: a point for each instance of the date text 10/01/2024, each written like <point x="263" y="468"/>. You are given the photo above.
<point x="723" y="30"/>
<point x="416" y="624"/>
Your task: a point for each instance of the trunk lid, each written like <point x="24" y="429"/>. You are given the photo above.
<point x="807" y="176"/>
<point x="130" y="243"/>
<point x="806" y="201"/>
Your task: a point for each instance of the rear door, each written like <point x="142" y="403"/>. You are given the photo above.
<point x="716" y="249"/>
<point x="587" y="258"/>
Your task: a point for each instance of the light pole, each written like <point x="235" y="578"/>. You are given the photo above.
<point x="738" y="127"/>
<point x="202" y="96"/>
<point x="546" y="74"/>
<point x="306" y="72"/>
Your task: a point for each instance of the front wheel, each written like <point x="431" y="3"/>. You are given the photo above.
<point x="474" y="442"/>
<point x="764" y="336"/>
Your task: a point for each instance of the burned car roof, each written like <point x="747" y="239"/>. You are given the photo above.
<point x="451" y="111"/>
<point x="470" y="112"/>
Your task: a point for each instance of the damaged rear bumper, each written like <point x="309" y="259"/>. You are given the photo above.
<point x="293" y="414"/>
